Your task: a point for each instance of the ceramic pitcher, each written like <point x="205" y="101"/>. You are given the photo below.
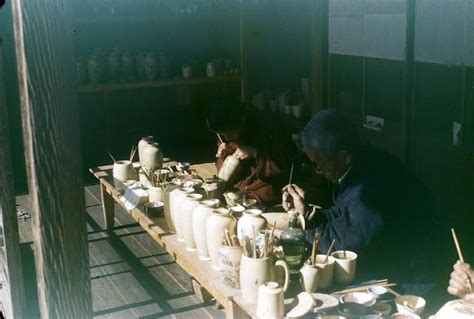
<point x="186" y="219"/>
<point x="176" y="202"/>
<point x="219" y="220"/>
<point x="270" y="301"/>
<point x="255" y="272"/>
<point x="251" y="222"/>
<point x="200" y="215"/>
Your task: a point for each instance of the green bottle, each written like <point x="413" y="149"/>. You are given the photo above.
<point x="293" y="241"/>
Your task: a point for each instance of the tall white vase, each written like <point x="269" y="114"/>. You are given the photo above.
<point x="152" y="157"/>
<point x="219" y="220"/>
<point x="200" y="215"/>
<point x="186" y="219"/>
<point x="250" y="222"/>
<point x="176" y="203"/>
<point x="145" y="141"/>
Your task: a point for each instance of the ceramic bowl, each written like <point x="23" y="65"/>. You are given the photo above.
<point x="154" y="209"/>
<point x="410" y="304"/>
<point x="281" y="220"/>
<point x="458" y="309"/>
<point x="352" y="310"/>
<point x="405" y="316"/>
<point x="361" y="298"/>
<point x="381" y="309"/>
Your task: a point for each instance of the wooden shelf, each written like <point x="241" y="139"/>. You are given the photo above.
<point x="156" y="84"/>
<point x="151" y="19"/>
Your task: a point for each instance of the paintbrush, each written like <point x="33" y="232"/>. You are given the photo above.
<point x="461" y="258"/>
<point x="315" y="249"/>
<point x="113" y="159"/>
<point x="329" y="251"/>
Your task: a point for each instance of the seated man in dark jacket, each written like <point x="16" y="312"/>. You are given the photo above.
<point x="260" y="141"/>
<point x="380" y="210"/>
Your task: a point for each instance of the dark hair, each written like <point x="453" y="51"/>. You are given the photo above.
<point x="225" y="114"/>
<point x="329" y="132"/>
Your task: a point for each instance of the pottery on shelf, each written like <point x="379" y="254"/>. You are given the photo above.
<point x="155" y="194"/>
<point x="176" y="202"/>
<point x="169" y="190"/>
<point x="326" y="271"/>
<point x="229" y="263"/>
<point x="151" y="67"/>
<point x="255" y="272"/>
<point x="96" y="68"/>
<point x="219" y="220"/>
<point x="144" y="142"/>
<point x="152" y="157"/>
<point x="297" y="110"/>
<point x="127" y="66"/>
<point x="270" y="301"/>
<point x="187" y="71"/>
<point x="250" y="223"/>
<point x="200" y="215"/>
<point x="186" y="219"/>
<point x="210" y="69"/>
<point x="140" y="66"/>
<point x="113" y="66"/>
<point x="81" y="71"/>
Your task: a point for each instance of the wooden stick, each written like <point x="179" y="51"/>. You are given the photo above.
<point x="227" y="236"/>
<point x="225" y="239"/>
<point x="362" y="288"/>
<point x="329" y="251"/>
<point x="461" y="258"/>
<point x="456" y="242"/>
<point x="315" y="249"/>
<point x="113" y="159"/>
<point x="291" y="172"/>
<point x="220" y="138"/>
<point x="254" y="243"/>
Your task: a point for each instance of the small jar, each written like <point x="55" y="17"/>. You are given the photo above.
<point x="210" y="70"/>
<point x="152" y="157"/>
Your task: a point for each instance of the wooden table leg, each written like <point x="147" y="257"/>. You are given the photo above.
<point x="107" y="207"/>
<point x="234" y="311"/>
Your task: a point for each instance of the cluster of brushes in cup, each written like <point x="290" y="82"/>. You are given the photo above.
<point x="249" y="243"/>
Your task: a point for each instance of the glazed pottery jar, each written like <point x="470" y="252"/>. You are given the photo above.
<point x="187" y="72"/>
<point x="309" y="278"/>
<point x="151" y="66"/>
<point x="113" y="66"/>
<point x="210" y="69"/>
<point x="200" y="215"/>
<point x="270" y="301"/>
<point x="293" y="241"/>
<point x="186" y="219"/>
<point x="144" y="142"/>
<point x="127" y="66"/>
<point x="152" y="158"/>
<point x="257" y="271"/>
<point x="219" y="220"/>
<point x="176" y="202"/>
<point x="228" y="168"/>
<point x="229" y="263"/>
<point x="250" y="223"/>
<point x="96" y="68"/>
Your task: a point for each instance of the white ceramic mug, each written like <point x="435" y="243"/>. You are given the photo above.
<point x="309" y="276"/>
<point x="123" y="171"/>
<point x="326" y="271"/>
<point x="155" y="194"/>
<point x="345" y="266"/>
<point x="256" y="271"/>
<point x="270" y="301"/>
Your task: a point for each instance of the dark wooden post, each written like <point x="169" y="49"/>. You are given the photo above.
<point x="320" y="56"/>
<point x="44" y="53"/>
<point x="13" y="294"/>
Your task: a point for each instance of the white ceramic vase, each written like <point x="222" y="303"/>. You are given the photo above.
<point x="309" y="278"/>
<point x="219" y="220"/>
<point x="152" y="158"/>
<point x="250" y="224"/>
<point x="229" y="263"/>
<point x="270" y="301"/>
<point x="176" y="203"/>
<point x="169" y="190"/>
<point x="200" y="215"/>
<point x="257" y="271"/>
<point x="228" y="168"/>
<point x="186" y="219"/>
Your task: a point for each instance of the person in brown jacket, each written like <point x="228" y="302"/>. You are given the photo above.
<point x="260" y="141"/>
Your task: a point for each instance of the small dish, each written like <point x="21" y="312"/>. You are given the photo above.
<point x="409" y="304"/>
<point x="362" y="298"/>
<point x="154" y="209"/>
<point x="377" y="291"/>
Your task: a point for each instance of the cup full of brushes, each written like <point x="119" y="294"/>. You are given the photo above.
<point x="257" y="266"/>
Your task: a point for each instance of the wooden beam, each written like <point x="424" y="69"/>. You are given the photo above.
<point x="320" y="55"/>
<point x="13" y="294"/>
<point x="44" y="53"/>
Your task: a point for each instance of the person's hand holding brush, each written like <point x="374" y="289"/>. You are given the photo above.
<point x="293" y="198"/>
<point x="460" y="284"/>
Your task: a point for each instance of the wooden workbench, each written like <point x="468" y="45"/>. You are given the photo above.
<point x="203" y="275"/>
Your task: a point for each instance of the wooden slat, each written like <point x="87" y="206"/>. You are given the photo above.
<point x="13" y="295"/>
<point x="45" y="60"/>
<point x="156" y="84"/>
